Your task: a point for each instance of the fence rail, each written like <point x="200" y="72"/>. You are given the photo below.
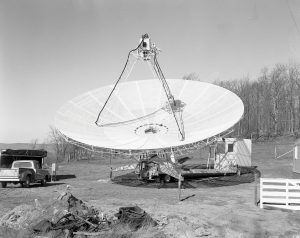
<point x="280" y="193"/>
<point x="278" y="153"/>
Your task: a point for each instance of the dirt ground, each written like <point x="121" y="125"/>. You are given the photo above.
<point x="206" y="211"/>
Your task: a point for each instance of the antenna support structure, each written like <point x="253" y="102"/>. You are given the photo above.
<point x="147" y="52"/>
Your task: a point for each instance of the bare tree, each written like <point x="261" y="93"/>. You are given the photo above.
<point x="34" y="144"/>
<point x="64" y="150"/>
<point x="293" y="95"/>
<point x="192" y="76"/>
<point x="277" y="92"/>
<point x="59" y="143"/>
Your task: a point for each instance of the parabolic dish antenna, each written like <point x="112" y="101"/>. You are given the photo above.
<point x="138" y="117"/>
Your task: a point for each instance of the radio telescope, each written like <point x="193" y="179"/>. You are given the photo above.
<point x="148" y="115"/>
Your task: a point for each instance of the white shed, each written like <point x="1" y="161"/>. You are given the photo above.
<point x="235" y="152"/>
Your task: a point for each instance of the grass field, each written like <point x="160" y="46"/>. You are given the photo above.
<point x="207" y="211"/>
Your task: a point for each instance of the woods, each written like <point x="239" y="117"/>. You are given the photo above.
<point x="64" y="150"/>
<point x="272" y="102"/>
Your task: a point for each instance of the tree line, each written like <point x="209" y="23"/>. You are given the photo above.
<point x="64" y="150"/>
<point x="60" y="149"/>
<point x="271" y="102"/>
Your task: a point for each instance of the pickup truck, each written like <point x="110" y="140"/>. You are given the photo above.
<point x="24" y="172"/>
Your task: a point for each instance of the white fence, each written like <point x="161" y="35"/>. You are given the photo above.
<point x="280" y="193"/>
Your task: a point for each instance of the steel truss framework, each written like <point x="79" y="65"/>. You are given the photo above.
<point x="148" y="52"/>
<point x="177" y="151"/>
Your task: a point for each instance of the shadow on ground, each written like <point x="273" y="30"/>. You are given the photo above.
<point x="65" y="176"/>
<point x="247" y="176"/>
<point x="34" y="185"/>
<point x="49" y="184"/>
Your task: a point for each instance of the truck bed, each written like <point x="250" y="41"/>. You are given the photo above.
<point x="9" y="174"/>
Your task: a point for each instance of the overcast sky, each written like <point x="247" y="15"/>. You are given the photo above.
<point x="54" y="50"/>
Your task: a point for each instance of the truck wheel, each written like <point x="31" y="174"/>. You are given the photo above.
<point x="26" y="183"/>
<point x="3" y="184"/>
<point x="43" y="181"/>
<point x="167" y="178"/>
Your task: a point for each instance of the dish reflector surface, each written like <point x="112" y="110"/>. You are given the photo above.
<point x="137" y="119"/>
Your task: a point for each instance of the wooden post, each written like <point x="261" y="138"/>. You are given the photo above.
<point x="286" y="193"/>
<point x="110" y="173"/>
<point x="261" y="202"/>
<point x="53" y="171"/>
<point x="179" y="186"/>
<point x="255" y="188"/>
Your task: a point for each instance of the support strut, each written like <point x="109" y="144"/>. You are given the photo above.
<point x="148" y="52"/>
